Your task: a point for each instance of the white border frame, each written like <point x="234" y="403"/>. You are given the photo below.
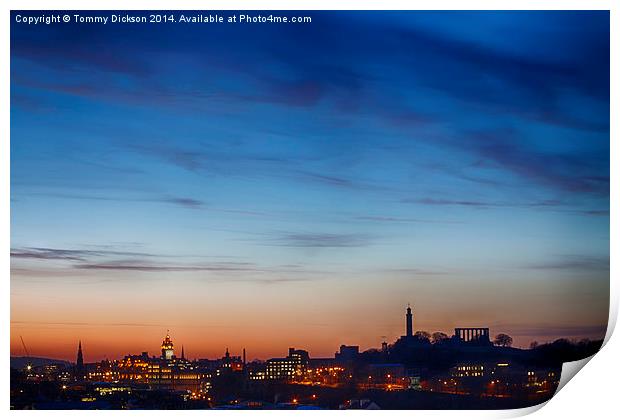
<point x="576" y="401"/>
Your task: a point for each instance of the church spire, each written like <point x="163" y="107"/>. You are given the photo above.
<point x="79" y="363"/>
<point x="80" y="357"/>
<point x="182" y="352"/>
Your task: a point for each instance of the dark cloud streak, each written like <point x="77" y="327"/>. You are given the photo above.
<point x="69" y="254"/>
<point x="573" y="263"/>
<point x="321" y="240"/>
<point x="483" y="203"/>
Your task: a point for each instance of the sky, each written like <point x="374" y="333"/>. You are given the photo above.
<point x="297" y="185"/>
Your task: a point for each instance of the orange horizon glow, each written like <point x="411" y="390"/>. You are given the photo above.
<point x="100" y="342"/>
<point x="121" y="318"/>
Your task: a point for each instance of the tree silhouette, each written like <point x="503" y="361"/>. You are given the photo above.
<point x="423" y="336"/>
<point x="439" y="337"/>
<point x="503" y="340"/>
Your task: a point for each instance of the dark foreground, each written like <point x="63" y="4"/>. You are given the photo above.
<point x="56" y="396"/>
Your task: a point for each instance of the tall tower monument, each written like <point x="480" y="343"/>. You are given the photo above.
<point x="409" y="318"/>
<point x="167" y="348"/>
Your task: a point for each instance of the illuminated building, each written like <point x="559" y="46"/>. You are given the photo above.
<point x="325" y="375"/>
<point x="257" y="375"/>
<point x="231" y="363"/>
<point x="173" y="373"/>
<point x="256" y="370"/>
<point x="167" y="348"/>
<point x="108" y="389"/>
<point x="134" y="367"/>
<point x="542" y="380"/>
<point x="161" y="374"/>
<point x="226" y="364"/>
<point x="226" y="361"/>
<point x="286" y="368"/>
<point x="165" y="372"/>
<point x="467" y="370"/>
<point x="415" y="383"/>
<point x="105" y="370"/>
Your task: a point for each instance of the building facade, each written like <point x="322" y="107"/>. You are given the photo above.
<point x="286" y="368"/>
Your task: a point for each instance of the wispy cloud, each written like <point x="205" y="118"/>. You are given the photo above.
<point x="153" y="267"/>
<point x="282" y="280"/>
<point x="303" y="93"/>
<point x="339" y="181"/>
<point x="392" y="219"/>
<point x="43" y="273"/>
<point x="70" y="254"/>
<point x="184" y="202"/>
<point x="566" y="172"/>
<point x="483" y="203"/>
<point x="415" y="271"/>
<point x="595" y="212"/>
<point x="43" y="254"/>
<point x="217" y="159"/>
<point x="78" y="262"/>
<point x="572" y="262"/>
<point x="328" y="179"/>
<point x="321" y="240"/>
<point x="497" y="81"/>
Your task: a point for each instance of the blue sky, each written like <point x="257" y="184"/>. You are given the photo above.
<point x="455" y="160"/>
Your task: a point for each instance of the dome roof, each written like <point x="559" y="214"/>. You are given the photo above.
<point x="167" y="343"/>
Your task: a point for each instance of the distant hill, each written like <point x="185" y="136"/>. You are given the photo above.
<point x="20" y="362"/>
